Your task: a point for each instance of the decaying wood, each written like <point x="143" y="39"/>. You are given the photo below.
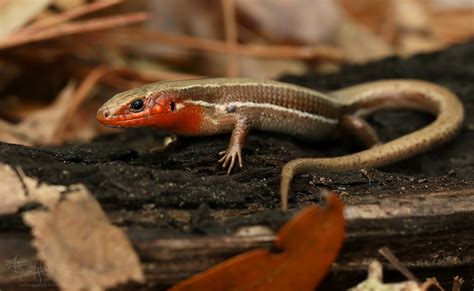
<point x="370" y="225"/>
<point x="183" y="214"/>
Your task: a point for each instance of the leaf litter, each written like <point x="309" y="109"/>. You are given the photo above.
<point x="75" y="240"/>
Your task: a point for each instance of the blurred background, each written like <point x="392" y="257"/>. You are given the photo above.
<point x="61" y="59"/>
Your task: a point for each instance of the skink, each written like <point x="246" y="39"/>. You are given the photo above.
<point x="234" y="105"/>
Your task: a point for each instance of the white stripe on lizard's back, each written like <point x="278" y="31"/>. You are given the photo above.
<point x="298" y="113"/>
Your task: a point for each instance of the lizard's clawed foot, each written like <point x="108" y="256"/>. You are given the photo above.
<point x="230" y="155"/>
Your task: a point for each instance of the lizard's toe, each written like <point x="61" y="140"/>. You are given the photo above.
<point x="229" y="158"/>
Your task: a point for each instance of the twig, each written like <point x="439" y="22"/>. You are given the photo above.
<point x="120" y="186"/>
<point x="148" y="76"/>
<point x="74" y="28"/>
<point x="228" y="9"/>
<point x="253" y="50"/>
<point x="119" y="83"/>
<point x="21" y="177"/>
<point x="67" y="15"/>
<point x="128" y="78"/>
<point x="395" y="262"/>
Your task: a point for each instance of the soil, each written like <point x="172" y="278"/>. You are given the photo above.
<point x="181" y="190"/>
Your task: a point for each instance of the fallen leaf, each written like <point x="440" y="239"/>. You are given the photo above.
<point x="310" y="21"/>
<point x="361" y="45"/>
<point x="79" y="247"/>
<point x="16" y="190"/>
<point x="374" y="282"/>
<point x="413" y="19"/>
<point x="49" y="125"/>
<point x="69" y="4"/>
<point x="39" y="127"/>
<point x="452" y="25"/>
<point x="16" y="13"/>
<point x="74" y="238"/>
<point x="12" y="193"/>
<point x="309" y="243"/>
<point x="373" y="15"/>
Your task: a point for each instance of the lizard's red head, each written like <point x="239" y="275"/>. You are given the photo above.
<point x="150" y="106"/>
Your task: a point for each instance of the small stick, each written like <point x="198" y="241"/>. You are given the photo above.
<point x="326" y="52"/>
<point x="123" y="78"/>
<point x="228" y="9"/>
<point x="74" y="28"/>
<point x="149" y="76"/>
<point x="67" y="15"/>
<point x="395" y="262"/>
<point x="119" y="83"/>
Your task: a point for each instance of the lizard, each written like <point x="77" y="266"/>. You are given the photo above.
<point x="237" y="105"/>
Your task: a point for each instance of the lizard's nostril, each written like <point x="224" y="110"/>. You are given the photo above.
<point x="102" y="115"/>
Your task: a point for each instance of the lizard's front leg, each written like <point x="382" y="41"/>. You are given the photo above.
<point x="237" y="141"/>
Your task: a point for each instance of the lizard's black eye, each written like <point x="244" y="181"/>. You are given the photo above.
<point x="173" y="106"/>
<point x="137" y="105"/>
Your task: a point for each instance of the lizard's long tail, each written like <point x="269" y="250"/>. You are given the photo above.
<point x="369" y="97"/>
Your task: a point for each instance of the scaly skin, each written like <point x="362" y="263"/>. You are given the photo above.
<point x="215" y="106"/>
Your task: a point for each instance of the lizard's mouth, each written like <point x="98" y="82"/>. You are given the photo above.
<point x="107" y="118"/>
<point x="145" y="118"/>
<point x="120" y="122"/>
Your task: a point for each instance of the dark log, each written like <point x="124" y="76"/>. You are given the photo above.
<point x="183" y="213"/>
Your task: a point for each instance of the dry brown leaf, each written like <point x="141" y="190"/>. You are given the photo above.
<point x="411" y="44"/>
<point x="16" y="13"/>
<point x="174" y="24"/>
<point x="300" y="21"/>
<point x="17" y="190"/>
<point x="452" y="25"/>
<point x="413" y="20"/>
<point x="79" y="247"/>
<point x="10" y="134"/>
<point x="360" y="44"/>
<point x="48" y="125"/>
<point x="270" y="68"/>
<point x="374" y="282"/>
<point x="82" y="92"/>
<point x="43" y="193"/>
<point x="410" y="15"/>
<point x="451" y="4"/>
<point x="74" y="238"/>
<point x="41" y="126"/>
<point x="12" y="193"/>
<point x="374" y="15"/>
<point x="69" y="4"/>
